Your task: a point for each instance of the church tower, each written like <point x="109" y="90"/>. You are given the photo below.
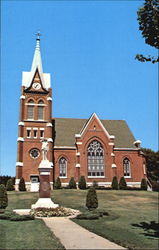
<point x="35" y="122"/>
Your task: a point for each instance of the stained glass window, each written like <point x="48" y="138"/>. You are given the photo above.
<point x="95" y="155"/>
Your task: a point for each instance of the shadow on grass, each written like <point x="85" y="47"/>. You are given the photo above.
<point x="152" y="228"/>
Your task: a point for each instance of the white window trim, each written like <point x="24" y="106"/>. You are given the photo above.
<point x="96" y="177"/>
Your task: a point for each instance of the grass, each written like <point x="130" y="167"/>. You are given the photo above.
<point x="132" y="222"/>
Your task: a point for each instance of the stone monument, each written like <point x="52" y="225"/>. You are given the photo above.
<point x="44" y="173"/>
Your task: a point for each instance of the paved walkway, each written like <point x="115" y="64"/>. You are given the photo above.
<point x="73" y="236"/>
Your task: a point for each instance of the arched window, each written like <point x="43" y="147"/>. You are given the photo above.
<point x="62" y="167"/>
<point x="30" y="110"/>
<point x="40" y="110"/>
<point x="95" y="154"/>
<point x="126" y="166"/>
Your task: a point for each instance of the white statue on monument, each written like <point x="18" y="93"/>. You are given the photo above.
<point x="44" y="149"/>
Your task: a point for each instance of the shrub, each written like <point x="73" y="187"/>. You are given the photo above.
<point x="15" y="217"/>
<point x="22" y="184"/>
<point x="82" y="183"/>
<point x="115" y="184"/>
<point x="143" y="184"/>
<point x="57" y="184"/>
<point x="155" y="186"/>
<point x="3" y="197"/>
<point x="122" y="184"/>
<point x="95" y="184"/>
<point x="9" y="185"/>
<point x="91" y="199"/>
<point x="87" y="217"/>
<point x="72" y="183"/>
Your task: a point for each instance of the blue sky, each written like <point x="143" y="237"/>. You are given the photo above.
<point x="89" y="49"/>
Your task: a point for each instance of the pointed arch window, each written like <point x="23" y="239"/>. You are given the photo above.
<point x="62" y="167"/>
<point x="40" y="110"/>
<point x="30" y="110"/>
<point x="95" y="157"/>
<point x="126" y="166"/>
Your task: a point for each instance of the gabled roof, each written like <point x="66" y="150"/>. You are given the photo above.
<point x="66" y="128"/>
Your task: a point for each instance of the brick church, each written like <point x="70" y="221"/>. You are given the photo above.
<point x="94" y="148"/>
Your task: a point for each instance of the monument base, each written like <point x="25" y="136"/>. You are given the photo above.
<point x="44" y="202"/>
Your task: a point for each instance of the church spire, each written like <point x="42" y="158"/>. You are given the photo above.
<point x="28" y="77"/>
<point x="37" y="62"/>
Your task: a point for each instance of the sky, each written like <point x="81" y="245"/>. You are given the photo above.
<point x="89" y="48"/>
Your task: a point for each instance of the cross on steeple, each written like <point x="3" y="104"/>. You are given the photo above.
<point x="38" y="35"/>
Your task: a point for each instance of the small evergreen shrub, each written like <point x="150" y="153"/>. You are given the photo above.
<point x="9" y="185"/>
<point x="95" y="184"/>
<point x="57" y="184"/>
<point x="16" y="217"/>
<point x="144" y="184"/>
<point x="22" y="184"/>
<point x="115" y="184"/>
<point x="72" y="183"/>
<point x="122" y="184"/>
<point x="3" y="197"/>
<point x="82" y="183"/>
<point x="87" y="216"/>
<point x="91" y="199"/>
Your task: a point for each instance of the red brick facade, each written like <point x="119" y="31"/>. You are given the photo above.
<point x="32" y="131"/>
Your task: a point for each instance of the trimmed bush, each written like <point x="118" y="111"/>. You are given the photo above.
<point x="22" y="184"/>
<point x="144" y="184"/>
<point x="15" y="217"/>
<point x="72" y="183"/>
<point x="9" y="185"/>
<point x="87" y="217"/>
<point x="122" y="184"/>
<point x="91" y="199"/>
<point x="95" y="184"/>
<point x="115" y="184"/>
<point x="57" y="184"/>
<point x="82" y="183"/>
<point x="3" y="197"/>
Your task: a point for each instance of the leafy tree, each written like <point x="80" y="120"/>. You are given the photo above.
<point x="72" y="183"/>
<point x="152" y="166"/>
<point x="91" y="199"/>
<point x="148" y="18"/>
<point x="122" y="184"/>
<point x="22" y="184"/>
<point x="9" y="185"/>
<point x="115" y="184"/>
<point x="82" y="183"/>
<point x="144" y="184"/>
<point x="3" y="197"/>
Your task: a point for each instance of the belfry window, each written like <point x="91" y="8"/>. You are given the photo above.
<point x="95" y="156"/>
<point x="62" y="167"/>
<point x="41" y="110"/>
<point x="30" y="111"/>
<point x="126" y="166"/>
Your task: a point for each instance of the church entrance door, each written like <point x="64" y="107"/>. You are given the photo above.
<point x="34" y="183"/>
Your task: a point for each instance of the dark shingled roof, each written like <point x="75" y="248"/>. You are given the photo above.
<point x="66" y="128"/>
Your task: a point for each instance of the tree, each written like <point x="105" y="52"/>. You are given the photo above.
<point x="9" y="185"/>
<point x="144" y="184"/>
<point x="82" y="183"/>
<point x="148" y="18"/>
<point x="22" y="184"/>
<point x="3" y="197"/>
<point x="57" y="183"/>
<point x="115" y="184"/>
<point x="91" y="199"/>
<point x="152" y="166"/>
<point x="72" y="183"/>
<point x="122" y="184"/>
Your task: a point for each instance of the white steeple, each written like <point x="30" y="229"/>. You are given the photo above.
<point x="36" y="65"/>
<point x="37" y="62"/>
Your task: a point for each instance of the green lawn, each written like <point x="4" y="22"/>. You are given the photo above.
<point x="132" y="222"/>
